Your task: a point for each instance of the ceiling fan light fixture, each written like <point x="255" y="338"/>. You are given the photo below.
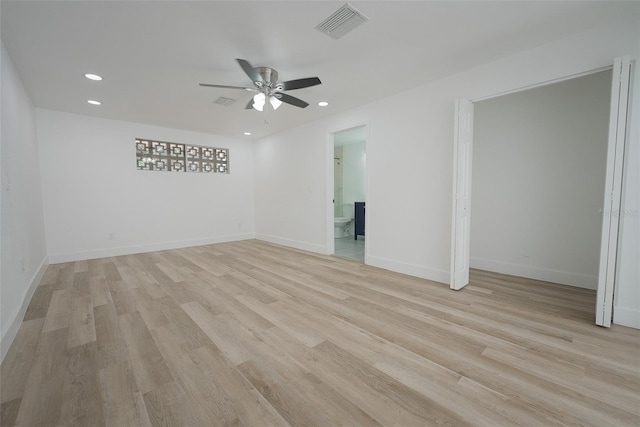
<point x="266" y="85"/>
<point x="259" y="100"/>
<point x="275" y="102"/>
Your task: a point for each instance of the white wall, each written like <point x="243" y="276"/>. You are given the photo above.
<point x="23" y="248"/>
<point x="93" y="191"/>
<point x="539" y="160"/>
<point x="409" y="156"/>
<point x="290" y="188"/>
<point x="354" y="159"/>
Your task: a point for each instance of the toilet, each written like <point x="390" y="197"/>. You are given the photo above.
<point x="342" y="224"/>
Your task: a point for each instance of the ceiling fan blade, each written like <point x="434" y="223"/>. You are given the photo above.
<point x="299" y="83"/>
<point x="249" y="105"/>
<point x="291" y="100"/>
<point x="229" y="87"/>
<point x="250" y="71"/>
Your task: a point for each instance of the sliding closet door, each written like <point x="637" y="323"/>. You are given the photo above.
<point x="613" y="189"/>
<point x="461" y="218"/>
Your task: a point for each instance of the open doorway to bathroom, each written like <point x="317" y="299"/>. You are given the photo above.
<point x="349" y="192"/>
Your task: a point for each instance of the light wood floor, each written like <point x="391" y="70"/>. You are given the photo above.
<point x="249" y="333"/>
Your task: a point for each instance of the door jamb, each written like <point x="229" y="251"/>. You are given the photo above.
<point x="329" y="185"/>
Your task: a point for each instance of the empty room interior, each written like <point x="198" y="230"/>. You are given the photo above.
<point x="320" y="213"/>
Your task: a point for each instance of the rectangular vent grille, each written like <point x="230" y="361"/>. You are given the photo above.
<point x="225" y="102"/>
<point x="343" y="21"/>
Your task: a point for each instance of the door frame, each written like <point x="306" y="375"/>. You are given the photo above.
<point x="329" y="184"/>
<point x="612" y="196"/>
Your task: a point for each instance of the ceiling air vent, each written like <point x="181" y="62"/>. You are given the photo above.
<point x="343" y="21"/>
<point x="225" y="102"/>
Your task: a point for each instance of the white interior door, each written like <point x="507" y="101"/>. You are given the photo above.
<point x="613" y="189"/>
<point x="461" y="218"/>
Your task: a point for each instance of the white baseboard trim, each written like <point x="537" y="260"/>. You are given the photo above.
<point x="428" y="273"/>
<point x="9" y="333"/>
<point x="579" y="280"/>
<point x="138" y="249"/>
<point x="626" y="316"/>
<point x="305" y="246"/>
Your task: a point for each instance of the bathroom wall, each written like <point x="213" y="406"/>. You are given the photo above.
<point x="354" y="180"/>
<point x="338" y="182"/>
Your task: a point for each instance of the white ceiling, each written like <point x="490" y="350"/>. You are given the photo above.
<point x="153" y="54"/>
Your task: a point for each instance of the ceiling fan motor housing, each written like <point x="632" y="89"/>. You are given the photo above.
<point x="269" y="76"/>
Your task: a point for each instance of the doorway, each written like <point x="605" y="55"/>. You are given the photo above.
<point x="348" y="173"/>
<point x="616" y="141"/>
<point x="539" y="163"/>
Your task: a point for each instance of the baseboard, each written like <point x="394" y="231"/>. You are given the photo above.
<point x="9" y="334"/>
<point x="428" y="273"/>
<point x="586" y="281"/>
<point x="320" y="249"/>
<point x="626" y="317"/>
<point x="138" y="249"/>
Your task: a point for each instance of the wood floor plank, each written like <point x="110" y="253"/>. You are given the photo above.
<point x="9" y="412"/>
<point x="81" y="398"/>
<point x="209" y="402"/>
<point x="149" y="367"/>
<point x="82" y="329"/>
<point x="122" y="296"/>
<point x="304" y="333"/>
<point x="58" y="311"/>
<point x="18" y="361"/>
<point x="251" y="406"/>
<point x="99" y="291"/>
<point x="42" y="398"/>
<point x="39" y="302"/>
<point x="168" y="406"/>
<point x="251" y="333"/>
<point x="122" y="403"/>
<point x="112" y="348"/>
<point x="175" y="314"/>
<point x="298" y="403"/>
<point x="217" y="329"/>
<point x="384" y="398"/>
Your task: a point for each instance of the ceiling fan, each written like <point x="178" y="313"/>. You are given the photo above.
<point x="265" y="82"/>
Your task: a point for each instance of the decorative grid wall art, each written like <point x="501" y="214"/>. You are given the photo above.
<point x="173" y="157"/>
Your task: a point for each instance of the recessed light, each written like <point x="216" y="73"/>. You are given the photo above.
<point x="247" y="133"/>
<point x="93" y="77"/>
<point x="323" y="103"/>
<point x="93" y="102"/>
